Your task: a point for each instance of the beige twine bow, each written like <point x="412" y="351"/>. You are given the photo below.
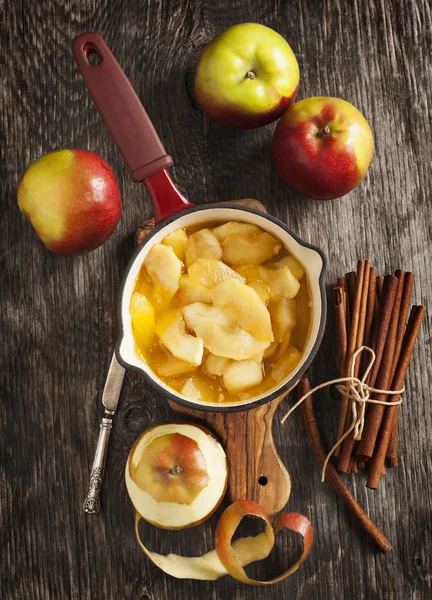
<point x="359" y="392"/>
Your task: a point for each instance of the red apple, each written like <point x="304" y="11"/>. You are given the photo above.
<point x="176" y="475"/>
<point x="72" y="199"/>
<point x="322" y="147"/>
<point x="247" y="76"/>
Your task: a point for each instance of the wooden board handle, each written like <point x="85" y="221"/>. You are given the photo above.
<point x="256" y="470"/>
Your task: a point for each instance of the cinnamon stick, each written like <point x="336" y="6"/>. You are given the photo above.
<point x="392" y="454"/>
<point x="404" y="310"/>
<point x="340" y="301"/>
<point x="409" y="341"/>
<point x="350" y="279"/>
<point x="356" y="313"/>
<point x="355" y="298"/>
<point x="331" y="474"/>
<point x="353" y="468"/>
<point x="370" y="313"/>
<point x="382" y="322"/>
<point x="342" y="313"/>
<point x="399" y="300"/>
<point x="363" y="312"/>
<point x="379" y="285"/>
<point x="372" y="309"/>
<point x="392" y="450"/>
<point x="341" y="282"/>
<point x="363" y="293"/>
<point x="384" y="378"/>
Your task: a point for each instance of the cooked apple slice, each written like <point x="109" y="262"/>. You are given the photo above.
<point x="190" y="291"/>
<point x="249" y="272"/>
<point x="171" y="331"/>
<point x="255" y="279"/>
<point x="143" y="320"/>
<point x="236" y="228"/>
<point x="242" y="375"/>
<point x="196" y="389"/>
<point x="281" y="282"/>
<point x="294" y="265"/>
<point x="216" y="365"/>
<point x="161" y="297"/>
<point x="286" y="364"/>
<point x="283" y="316"/>
<point x="304" y="305"/>
<point x="202" y="244"/>
<point x="163" y="266"/>
<point x="177" y="240"/>
<point x="271" y="350"/>
<point x="236" y="344"/>
<point x="143" y="283"/>
<point x="198" y="312"/>
<point x="284" y="344"/>
<point x="238" y="250"/>
<point x="250" y="312"/>
<point x="174" y="367"/>
<point x="210" y="272"/>
<point x="261" y="289"/>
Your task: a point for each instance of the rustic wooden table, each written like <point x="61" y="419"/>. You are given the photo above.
<point x="58" y="315"/>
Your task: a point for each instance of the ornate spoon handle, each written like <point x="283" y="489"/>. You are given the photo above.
<point x="92" y="502"/>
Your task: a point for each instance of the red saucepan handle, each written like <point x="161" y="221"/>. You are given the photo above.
<point x="128" y="124"/>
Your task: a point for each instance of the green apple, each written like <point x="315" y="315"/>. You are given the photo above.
<point x="247" y="76"/>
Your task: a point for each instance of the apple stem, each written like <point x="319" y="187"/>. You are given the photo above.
<point x="251" y="75"/>
<point x="176" y="470"/>
<point x="324" y="131"/>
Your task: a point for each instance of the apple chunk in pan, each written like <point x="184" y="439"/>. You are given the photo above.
<point x="172" y="333"/>
<point x="202" y="244"/>
<point x="163" y="266"/>
<point x="223" y="341"/>
<point x="251" y="314"/>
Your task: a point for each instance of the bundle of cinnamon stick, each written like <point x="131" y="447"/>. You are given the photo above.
<point x="372" y="311"/>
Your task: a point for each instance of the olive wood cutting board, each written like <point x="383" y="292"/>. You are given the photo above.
<point x="256" y="471"/>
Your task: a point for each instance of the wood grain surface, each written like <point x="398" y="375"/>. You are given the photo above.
<point x="58" y="315"/>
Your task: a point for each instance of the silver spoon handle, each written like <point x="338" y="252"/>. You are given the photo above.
<point x="92" y="502"/>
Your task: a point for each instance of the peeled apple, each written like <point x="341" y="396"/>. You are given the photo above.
<point x="176" y="475"/>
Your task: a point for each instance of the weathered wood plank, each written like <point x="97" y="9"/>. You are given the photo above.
<point x="58" y="318"/>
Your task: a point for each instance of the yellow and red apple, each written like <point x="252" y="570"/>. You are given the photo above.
<point x="176" y="475"/>
<point x="247" y="76"/>
<point x="322" y="147"/>
<point x="72" y="199"/>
